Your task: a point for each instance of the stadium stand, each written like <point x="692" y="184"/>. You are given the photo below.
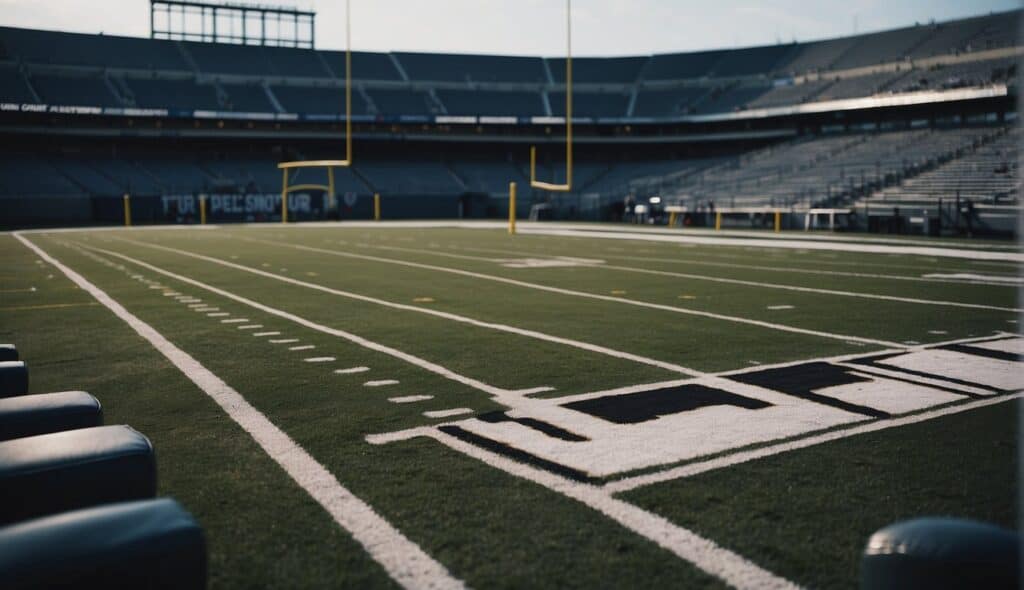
<point x="752" y="60"/>
<point x="484" y="176"/>
<point x="410" y="177"/>
<point x="818" y="55"/>
<point x="725" y="100"/>
<point x="590" y="104"/>
<point x="487" y="102"/>
<point x="251" y="98"/>
<point x="99" y="51"/>
<point x="667" y="103"/>
<point x="13" y="87"/>
<point x="682" y="66"/>
<point x="285" y="61"/>
<point x="598" y="70"/>
<point x="365" y="66"/>
<point x="792" y="94"/>
<point x="172" y="94"/>
<point x="887" y="46"/>
<point x="80" y="91"/>
<point x="401" y="102"/>
<point x="472" y="68"/>
<point x="322" y="100"/>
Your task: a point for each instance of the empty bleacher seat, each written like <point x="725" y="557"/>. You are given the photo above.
<point x="472" y="68"/>
<point x="248" y="98"/>
<point x="173" y="94"/>
<point x="590" y="104"/>
<point x="365" y="65"/>
<point x="319" y="100"/>
<point x="597" y="70"/>
<point x="51" y="473"/>
<point x="32" y="415"/>
<point x="288" y="61"/>
<point x="752" y="60"/>
<point x="400" y="102"/>
<point x="13" y="87"/>
<point x="491" y="102"/>
<point x="141" y="544"/>
<point x="78" y="91"/>
<point x="667" y="102"/>
<point x="104" y="51"/>
<point x="682" y="66"/>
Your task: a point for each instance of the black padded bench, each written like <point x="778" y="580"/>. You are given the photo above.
<point x="13" y="378"/>
<point x="8" y="352"/>
<point x="32" y="415"/>
<point x="142" y="544"/>
<point x="50" y="473"/>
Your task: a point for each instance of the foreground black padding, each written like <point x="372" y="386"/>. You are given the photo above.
<point x="143" y="544"/>
<point x="13" y="378"/>
<point x="940" y="554"/>
<point x="32" y="415"/>
<point x="8" y="352"/>
<point x="51" y="473"/>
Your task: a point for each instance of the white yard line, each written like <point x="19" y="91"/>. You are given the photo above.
<point x="363" y="342"/>
<point x="697" y="277"/>
<point x="617" y="300"/>
<point x="403" y="560"/>
<point x="676" y="368"/>
<point x="705" y="554"/>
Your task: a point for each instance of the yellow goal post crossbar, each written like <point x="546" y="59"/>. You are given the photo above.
<point x="330" y="165"/>
<point x="562" y="188"/>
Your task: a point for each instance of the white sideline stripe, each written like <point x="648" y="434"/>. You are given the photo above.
<point x="380" y="383"/>
<point x="283" y="341"/>
<point x="707" y="555"/>
<point x="319" y="359"/>
<point x="352" y="370"/>
<point x="447" y="413"/>
<point x="251" y="327"/>
<point x="235" y="321"/>
<point x="630" y="483"/>
<point x="261" y="334"/>
<point x="403" y="560"/>
<point x="302" y="347"/>
<point x="408" y="399"/>
<point x="746" y="283"/>
<point x="441" y="314"/>
<point x="561" y="291"/>
<point x="788" y="244"/>
<point x="369" y="344"/>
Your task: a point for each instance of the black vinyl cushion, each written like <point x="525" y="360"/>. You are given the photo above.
<point x="8" y="352"/>
<point x="51" y="473"/>
<point x="141" y="544"/>
<point x="13" y="378"/>
<point x="31" y="415"/>
<point x="941" y="554"/>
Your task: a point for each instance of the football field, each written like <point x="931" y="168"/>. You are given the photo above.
<point x="446" y="405"/>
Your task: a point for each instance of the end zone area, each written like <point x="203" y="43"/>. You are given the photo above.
<point x="557" y="408"/>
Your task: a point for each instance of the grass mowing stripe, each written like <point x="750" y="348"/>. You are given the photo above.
<point x="573" y="293"/>
<point x="631" y="483"/>
<point x="407" y="564"/>
<point x="694" y="262"/>
<point x="441" y="314"/>
<point x="413" y="360"/>
<point x="758" y="284"/>
<point x="710" y="557"/>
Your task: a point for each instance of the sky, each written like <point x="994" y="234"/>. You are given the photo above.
<point x="537" y="27"/>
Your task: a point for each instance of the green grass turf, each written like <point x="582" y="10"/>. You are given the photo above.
<point x="489" y="528"/>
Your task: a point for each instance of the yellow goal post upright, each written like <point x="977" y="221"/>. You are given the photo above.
<point x="330" y="165"/>
<point x="547" y="186"/>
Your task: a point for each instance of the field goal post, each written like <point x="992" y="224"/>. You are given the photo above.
<point x="548" y="186"/>
<point x="330" y="165"/>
